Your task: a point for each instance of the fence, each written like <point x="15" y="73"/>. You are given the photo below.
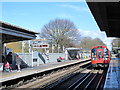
<point x="27" y="58"/>
<point x="35" y="58"/>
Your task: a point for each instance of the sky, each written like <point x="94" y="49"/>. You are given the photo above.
<point x="34" y="15"/>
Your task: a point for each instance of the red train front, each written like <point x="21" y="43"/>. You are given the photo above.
<point x="100" y="56"/>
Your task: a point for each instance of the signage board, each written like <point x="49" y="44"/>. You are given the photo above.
<point x="39" y="43"/>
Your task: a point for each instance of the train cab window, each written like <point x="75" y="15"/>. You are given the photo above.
<point x="93" y="52"/>
<point x="105" y="52"/>
<point x="99" y="54"/>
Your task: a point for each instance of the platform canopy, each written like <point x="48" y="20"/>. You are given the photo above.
<point x="11" y="33"/>
<point x="107" y="15"/>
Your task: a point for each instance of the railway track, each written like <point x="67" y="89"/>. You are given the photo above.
<point x="74" y="78"/>
<point x="55" y="77"/>
<point x="38" y="80"/>
<point x="87" y="79"/>
<point x="80" y="76"/>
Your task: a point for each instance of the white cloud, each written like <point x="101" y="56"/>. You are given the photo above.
<point x="78" y="8"/>
<point x="98" y="34"/>
<point x="93" y="34"/>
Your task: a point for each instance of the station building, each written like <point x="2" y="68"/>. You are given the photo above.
<point x="11" y="33"/>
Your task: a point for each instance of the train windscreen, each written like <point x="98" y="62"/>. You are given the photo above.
<point x="99" y="53"/>
<point x="106" y="54"/>
<point x="93" y="52"/>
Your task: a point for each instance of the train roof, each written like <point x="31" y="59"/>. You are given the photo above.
<point x="99" y="46"/>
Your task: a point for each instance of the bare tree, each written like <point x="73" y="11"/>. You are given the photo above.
<point x="98" y="41"/>
<point x="60" y="32"/>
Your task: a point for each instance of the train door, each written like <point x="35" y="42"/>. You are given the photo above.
<point x="93" y="54"/>
<point x="99" y="54"/>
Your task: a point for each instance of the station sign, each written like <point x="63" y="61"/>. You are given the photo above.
<point x="40" y="43"/>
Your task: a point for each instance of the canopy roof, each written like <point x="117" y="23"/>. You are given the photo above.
<point x="12" y="33"/>
<point x="107" y="15"/>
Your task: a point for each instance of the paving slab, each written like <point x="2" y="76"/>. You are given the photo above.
<point x="113" y="75"/>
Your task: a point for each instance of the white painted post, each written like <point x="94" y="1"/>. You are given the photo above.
<point x="63" y="49"/>
<point x="32" y="58"/>
<point x="29" y="47"/>
<point x="5" y="49"/>
<point x="53" y="48"/>
<point x="23" y="46"/>
<point x="66" y="55"/>
<point x="38" y="61"/>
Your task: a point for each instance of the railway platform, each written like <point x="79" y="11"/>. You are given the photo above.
<point x="6" y="76"/>
<point x="112" y="81"/>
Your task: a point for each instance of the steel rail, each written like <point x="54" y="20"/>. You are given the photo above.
<point x="91" y="84"/>
<point x="74" y="84"/>
<point x="96" y="76"/>
<point x="69" y="77"/>
<point x="38" y="84"/>
<point x="84" y="80"/>
<point x="90" y="81"/>
<point x="101" y="78"/>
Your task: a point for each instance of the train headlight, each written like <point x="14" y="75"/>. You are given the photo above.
<point x="105" y="58"/>
<point x="94" y="58"/>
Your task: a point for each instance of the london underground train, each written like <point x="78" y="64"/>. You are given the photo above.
<point x="100" y="56"/>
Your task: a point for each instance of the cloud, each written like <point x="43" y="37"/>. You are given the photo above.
<point x="78" y="8"/>
<point x="97" y="34"/>
<point x="93" y="34"/>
